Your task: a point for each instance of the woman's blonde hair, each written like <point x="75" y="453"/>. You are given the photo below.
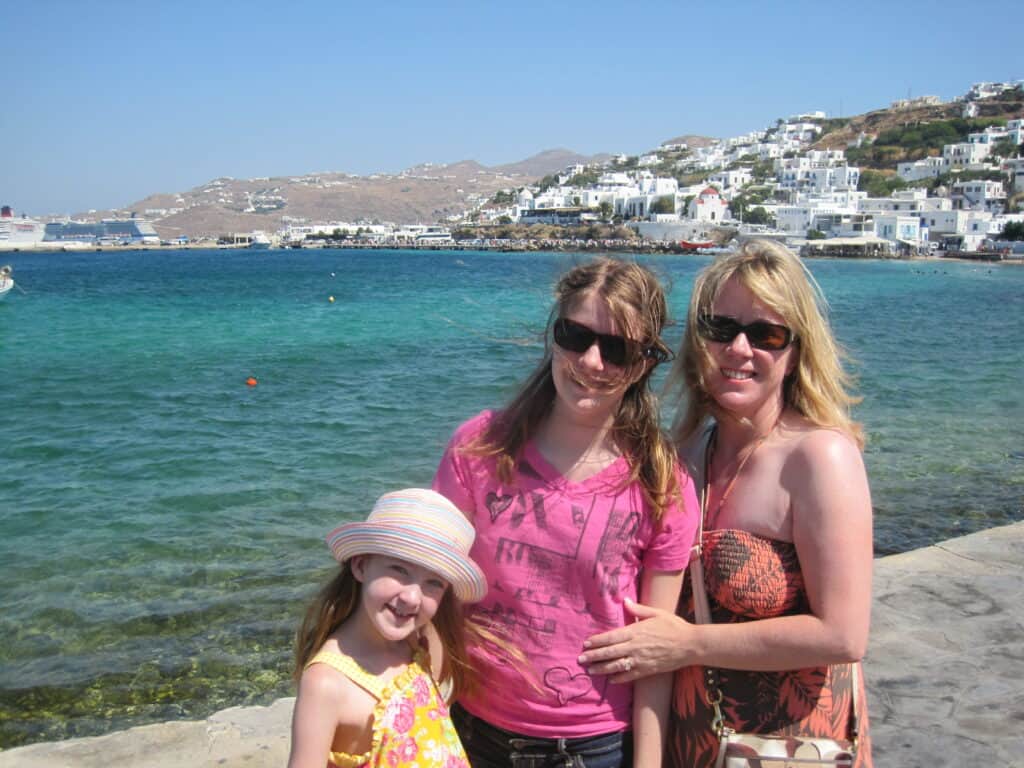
<point x="817" y="387"/>
<point x="636" y="301"/>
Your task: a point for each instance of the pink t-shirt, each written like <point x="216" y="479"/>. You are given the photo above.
<point x="559" y="559"/>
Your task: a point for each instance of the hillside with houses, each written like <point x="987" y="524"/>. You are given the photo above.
<point x="920" y="176"/>
<point x="799" y="181"/>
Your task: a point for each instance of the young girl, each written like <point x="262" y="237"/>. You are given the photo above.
<point x="381" y="634"/>
<point x="579" y="506"/>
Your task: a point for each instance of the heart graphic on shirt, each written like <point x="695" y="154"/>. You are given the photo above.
<point x="566" y="685"/>
<point x="497" y="504"/>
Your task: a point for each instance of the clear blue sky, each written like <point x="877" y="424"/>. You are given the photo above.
<point x="104" y="103"/>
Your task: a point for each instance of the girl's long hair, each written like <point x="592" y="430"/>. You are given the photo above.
<point x="818" y="386"/>
<point x="636" y="302"/>
<point x="338" y="599"/>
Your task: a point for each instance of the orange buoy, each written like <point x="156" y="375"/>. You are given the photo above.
<point x="251" y="381"/>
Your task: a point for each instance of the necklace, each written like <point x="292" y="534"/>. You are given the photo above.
<point x="713" y="518"/>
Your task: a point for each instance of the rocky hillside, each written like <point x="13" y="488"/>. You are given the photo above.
<point x="912" y="133"/>
<point x="423" y="194"/>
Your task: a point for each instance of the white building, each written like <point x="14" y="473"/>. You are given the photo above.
<point x="1015" y="169"/>
<point x="928" y="168"/>
<point x="979" y="196"/>
<point x="727" y="180"/>
<point x="899" y="228"/>
<point x="965" y="153"/>
<point x="709" y="206"/>
<point x="906" y="201"/>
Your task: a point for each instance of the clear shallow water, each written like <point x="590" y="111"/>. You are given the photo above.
<point x="161" y="523"/>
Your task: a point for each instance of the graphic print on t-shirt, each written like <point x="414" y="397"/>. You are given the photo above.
<point x="557" y="569"/>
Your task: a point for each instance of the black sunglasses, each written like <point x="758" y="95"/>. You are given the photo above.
<point x="617" y="350"/>
<point x="760" y="334"/>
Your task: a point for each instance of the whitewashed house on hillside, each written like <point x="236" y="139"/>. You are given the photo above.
<point x="978" y="196"/>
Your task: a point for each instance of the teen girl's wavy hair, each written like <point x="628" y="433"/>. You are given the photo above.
<point x="636" y="302"/>
<point x="818" y="386"/>
<point x="338" y="599"/>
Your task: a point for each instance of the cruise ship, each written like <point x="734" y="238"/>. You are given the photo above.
<point x="19" y="232"/>
<point x="24" y="233"/>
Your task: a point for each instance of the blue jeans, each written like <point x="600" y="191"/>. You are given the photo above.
<point x="488" y="746"/>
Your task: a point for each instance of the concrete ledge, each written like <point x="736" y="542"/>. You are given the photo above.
<point x="944" y="662"/>
<point x="943" y="672"/>
<point x="254" y="737"/>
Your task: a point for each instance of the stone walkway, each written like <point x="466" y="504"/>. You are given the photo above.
<point x="944" y="672"/>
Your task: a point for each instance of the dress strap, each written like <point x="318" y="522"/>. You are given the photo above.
<point x="350" y="668"/>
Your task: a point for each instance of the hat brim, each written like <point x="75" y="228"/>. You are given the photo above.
<point x="467" y="580"/>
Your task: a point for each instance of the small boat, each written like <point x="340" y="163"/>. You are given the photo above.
<point x="693" y="245"/>
<point x="6" y="281"/>
<point x="259" y="241"/>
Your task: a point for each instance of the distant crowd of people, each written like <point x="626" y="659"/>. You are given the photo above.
<point x="581" y="587"/>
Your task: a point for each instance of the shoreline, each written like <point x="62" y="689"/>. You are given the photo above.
<point x="944" y="651"/>
<point x="518" y="246"/>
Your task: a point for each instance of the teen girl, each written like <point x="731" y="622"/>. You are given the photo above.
<point x="579" y="506"/>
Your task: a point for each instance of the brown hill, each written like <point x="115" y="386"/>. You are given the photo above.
<point x="549" y="161"/>
<point x="425" y="193"/>
<point x="691" y="140"/>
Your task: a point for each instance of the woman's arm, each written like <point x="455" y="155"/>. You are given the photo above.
<point x="652" y="694"/>
<point x="831" y="513"/>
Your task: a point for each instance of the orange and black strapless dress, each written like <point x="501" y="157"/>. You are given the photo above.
<point x="751" y="577"/>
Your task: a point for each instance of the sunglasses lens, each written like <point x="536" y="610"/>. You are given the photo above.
<point x="613" y="349"/>
<point x="572" y="336"/>
<point x="768" y="336"/>
<point x="721" y="329"/>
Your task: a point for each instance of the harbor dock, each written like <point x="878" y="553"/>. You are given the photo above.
<point x="943" y="671"/>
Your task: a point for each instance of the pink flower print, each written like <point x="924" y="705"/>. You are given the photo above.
<point x="392" y="758"/>
<point x="454" y="761"/>
<point x="408" y="750"/>
<point x="405" y="716"/>
<point x="421" y="691"/>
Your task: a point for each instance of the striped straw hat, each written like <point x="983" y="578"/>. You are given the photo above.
<point x="419" y="526"/>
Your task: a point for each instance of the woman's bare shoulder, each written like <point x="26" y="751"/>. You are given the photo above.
<point x="820" y="446"/>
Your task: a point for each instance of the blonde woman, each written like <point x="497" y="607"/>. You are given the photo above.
<point x="786" y="520"/>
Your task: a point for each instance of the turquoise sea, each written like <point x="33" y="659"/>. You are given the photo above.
<point x="161" y="522"/>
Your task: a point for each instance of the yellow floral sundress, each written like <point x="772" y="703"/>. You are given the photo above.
<point x="411" y="724"/>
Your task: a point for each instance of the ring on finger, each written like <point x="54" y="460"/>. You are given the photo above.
<point x="627" y="664"/>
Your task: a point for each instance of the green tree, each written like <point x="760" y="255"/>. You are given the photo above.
<point x="757" y="215"/>
<point x="1006" y="148"/>
<point x="605" y="209"/>
<point x="1014" y="230"/>
<point x="878" y="184"/>
<point x="504" y="220"/>
<point x="666" y="204"/>
<point x="815" y="234"/>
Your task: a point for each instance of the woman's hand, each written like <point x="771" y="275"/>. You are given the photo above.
<point x="652" y="645"/>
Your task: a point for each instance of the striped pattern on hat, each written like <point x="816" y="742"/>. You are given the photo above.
<point x="421" y="527"/>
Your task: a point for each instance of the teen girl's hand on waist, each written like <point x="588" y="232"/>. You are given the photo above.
<point x="657" y="643"/>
